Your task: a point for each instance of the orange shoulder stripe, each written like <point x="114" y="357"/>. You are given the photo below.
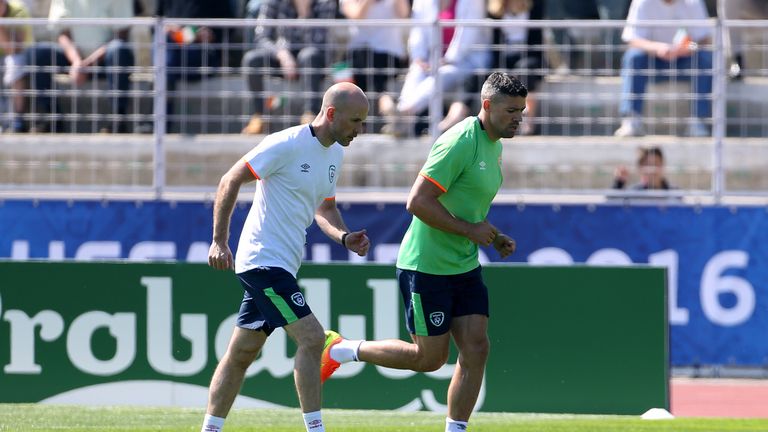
<point x="433" y="181"/>
<point x="250" y="168"/>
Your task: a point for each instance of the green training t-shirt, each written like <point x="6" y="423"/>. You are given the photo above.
<point x="466" y="165"/>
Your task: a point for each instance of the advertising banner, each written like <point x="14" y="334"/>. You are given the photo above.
<point x="716" y="256"/>
<point x="573" y="339"/>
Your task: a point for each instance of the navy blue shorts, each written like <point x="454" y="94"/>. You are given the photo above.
<point x="431" y="301"/>
<point x="272" y="299"/>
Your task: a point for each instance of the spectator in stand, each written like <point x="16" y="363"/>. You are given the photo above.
<point x="662" y="53"/>
<point x="741" y="10"/>
<point x="13" y="42"/>
<point x="291" y="52"/>
<point x="377" y="54"/>
<point x="520" y="53"/>
<point x="650" y="166"/>
<point x="460" y="57"/>
<point x="194" y="52"/>
<point x="85" y="52"/>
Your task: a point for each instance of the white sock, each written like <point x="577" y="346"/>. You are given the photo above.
<point x="346" y="350"/>
<point x="313" y="421"/>
<point x="212" y="424"/>
<point x="452" y="425"/>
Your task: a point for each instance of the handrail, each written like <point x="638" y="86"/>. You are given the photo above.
<point x="718" y="190"/>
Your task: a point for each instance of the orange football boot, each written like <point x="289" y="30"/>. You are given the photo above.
<point x="328" y="365"/>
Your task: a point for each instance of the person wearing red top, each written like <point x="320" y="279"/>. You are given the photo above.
<point x="460" y="57"/>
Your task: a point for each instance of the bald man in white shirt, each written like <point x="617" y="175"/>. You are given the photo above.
<point x="296" y="171"/>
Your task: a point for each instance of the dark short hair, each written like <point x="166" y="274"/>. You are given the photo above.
<point x="646" y="152"/>
<point x="500" y="83"/>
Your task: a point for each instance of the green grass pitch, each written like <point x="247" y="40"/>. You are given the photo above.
<point x="31" y="417"/>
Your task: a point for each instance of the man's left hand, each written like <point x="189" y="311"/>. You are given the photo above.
<point x="358" y="242"/>
<point x="504" y="244"/>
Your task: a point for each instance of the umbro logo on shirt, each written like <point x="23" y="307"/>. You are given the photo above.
<point x="305" y="167"/>
<point x="482" y="165"/>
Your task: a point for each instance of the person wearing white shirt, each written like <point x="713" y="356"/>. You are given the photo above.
<point x="296" y="170"/>
<point x="462" y="54"/>
<point x="86" y="51"/>
<point x="664" y="52"/>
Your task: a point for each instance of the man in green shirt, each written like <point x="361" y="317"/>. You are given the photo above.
<point x="437" y="266"/>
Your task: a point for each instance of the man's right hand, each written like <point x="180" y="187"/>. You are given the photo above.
<point x="482" y="233"/>
<point x="220" y="257"/>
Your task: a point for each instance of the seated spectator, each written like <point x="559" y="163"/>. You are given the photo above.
<point x="194" y="52"/>
<point x="84" y="52"/>
<point x="292" y="53"/>
<point x="520" y="52"/>
<point x="460" y="57"/>
<point x="741" y="10"/>
<point x="13" y="41"/>
<point x="377" y="53"/>
<point x="662" y="52"/>
<point x="650" y="167"/>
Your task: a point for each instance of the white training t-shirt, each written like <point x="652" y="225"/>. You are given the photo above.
<point x="657" y="10"/>
<point x="296" y="173"/>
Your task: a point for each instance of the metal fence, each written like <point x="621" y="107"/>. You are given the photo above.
<point x="180" y="126"/>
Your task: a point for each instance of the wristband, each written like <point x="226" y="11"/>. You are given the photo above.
<point x="344" y="239"/>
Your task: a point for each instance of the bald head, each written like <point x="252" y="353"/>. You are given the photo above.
<point x="344" y="94"/>
<point x="341" y="118"/>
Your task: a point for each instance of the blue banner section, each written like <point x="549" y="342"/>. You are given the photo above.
<point x="716" y="256"/>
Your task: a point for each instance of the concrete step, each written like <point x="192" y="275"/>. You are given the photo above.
<point x="576" y="105"/>
<point x="374" y="161"/>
